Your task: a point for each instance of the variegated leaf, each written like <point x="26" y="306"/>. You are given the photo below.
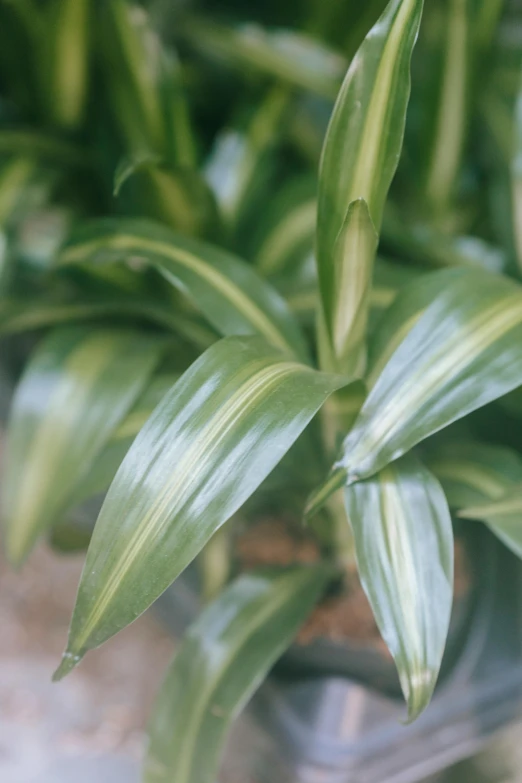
<point x="76" y="390"/>
<point x="228" y="292"/>
<point x="221" y="661"/>
<point x="205" y="449"/>
<point x="503" y="517"/>
<point x="404" y="548"/>
<point x="464" y="351"/>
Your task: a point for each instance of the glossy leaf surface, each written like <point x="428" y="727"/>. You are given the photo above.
<point x="222" y="660"/>
<point x="360" y="156"/>
<point x="228" y="292"/>
<point x="77" y="388"/>
<point x="206" y="448"/>
<point x="464" y="351"/>
<point x="404" y="548"/>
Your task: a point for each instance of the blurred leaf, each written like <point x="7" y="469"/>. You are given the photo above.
<point x="240" y="155"/>
<point x="516" y="179"/>
<point x="287" y="235"/>
<point x="404" y="548"/>
<point x="180" y="198"/>
<point x="288" y="55"/>
<point x="206" y="448"/>
<point x="35" y="144"/>
<point x="102" y="471"/>
<point x="360" y="156"/>
<point x="14" y="178"/>
<point x="76" y="389"/>
<point x="503" y="517"/>
<point x="464" y="351"/>
<point x="449" y="124"/>
<point x="228" y="292"/>
<point x="472" y="473"/>
<point x="67" y="47"/>
<point x="145" y="85"/>
<point x="221" y="662"/>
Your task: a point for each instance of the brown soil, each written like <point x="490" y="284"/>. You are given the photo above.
<point x="345" y="616"/>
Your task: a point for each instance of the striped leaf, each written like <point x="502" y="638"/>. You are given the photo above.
<point x="205" y="449"/>
<point x="404" y="548"/>
<point x="222" y="660"/>
<point x="473" y="473"/>
<point x="227" y="291"/>
<point x="464" y="351"/>
<point x="503" y="516"/>
<point x="402" y="315"/>
<point x="359" y="159"/>
<point x="76" y="390"/>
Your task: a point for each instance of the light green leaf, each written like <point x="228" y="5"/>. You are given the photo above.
<point x="473" y="473"/>
<point x="178" y="197"/>
<point x="516" y="179"/>
<point x="15" y="176"/>
<point x="76" y="389"/>
<point x="404" y="548"/>
<point x="451" y="117"/>
<point x="67" y="44"/>
<point x="293" y="57"/>
<point x="503" y="517"/>
<point x="227" y="291"/>
<point x="205" y="449"/>
<point x="402" y="315"/>
<point x="464" y="351"/>
<point x="359" y="159"/>
<point x="106" y="464"/>
<point x="222" y="660"/>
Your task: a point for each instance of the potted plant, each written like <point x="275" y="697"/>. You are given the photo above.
<point x="244" y="336"/>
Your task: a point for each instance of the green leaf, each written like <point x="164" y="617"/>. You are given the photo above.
<point x="464" y="351"/>
<point x="404" y="548"/>
<point x="290" y="56"/>
<point x="360" y="156"/>
<point x="222" y="660"/>
<point x="206" y="448"/>
<point x="76" y="389"/>
<point x="178" y="197"/>
<point x="516" y="179"/>
<point x="67" y="47"/>
<point x="104" y="468"/>
<point x="503" y="517"/>
<point x="228" y="292"/>
<point x="15" y="176"/>
<point x="402" y="315"/>
<point x="472" y="473"/>
<point x="450" y="122"/>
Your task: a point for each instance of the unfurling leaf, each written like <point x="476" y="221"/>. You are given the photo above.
<point x="404" y="548"/>
<point x="222" y="660"/>
<point x="360" y="156"/>
<point x="77" y="388"/>
<point x="464" y="351"/>
<point x="206" y="448"/>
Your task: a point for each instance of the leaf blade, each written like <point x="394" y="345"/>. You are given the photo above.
<point x="463" y="352"/>
<point x="77" y="388"/>
<point x="234" y="642"/>
<point x="229" y="293"/>
<point x="404" y="550"/>
<point x="205" y="449"/>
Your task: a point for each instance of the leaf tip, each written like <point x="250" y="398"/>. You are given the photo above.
<point x="68" y="663"/>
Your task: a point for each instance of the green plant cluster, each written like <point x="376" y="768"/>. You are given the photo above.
<point x="214" y="227"/>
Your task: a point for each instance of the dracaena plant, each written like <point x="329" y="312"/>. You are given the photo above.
<point x="204" y="250"/>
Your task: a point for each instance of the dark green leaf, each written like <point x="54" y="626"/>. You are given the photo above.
<point x="222" y="660"/>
